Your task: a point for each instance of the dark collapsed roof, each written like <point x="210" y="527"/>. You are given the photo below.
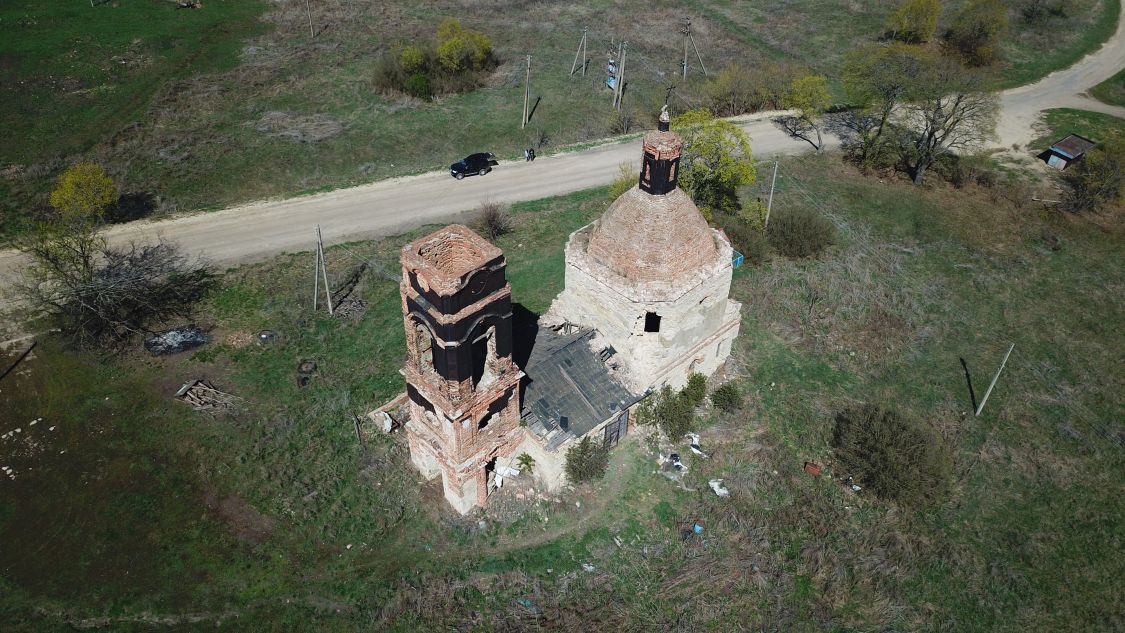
<point x="1073" y="146"/>
<point x="568" y="379"/>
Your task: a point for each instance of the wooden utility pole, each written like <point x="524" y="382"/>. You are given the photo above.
<point x="697" y="55"/>
<point x="769" y="205"/>
<point x="580" y="53"/>
<point x="526" y="92"/>
<point x="316" y="270"/>
<point x="619" y="86"/>
<point x="322" y="268"/>
<point x="308" y="10"/>
<point x="686" y="30"/>
<point x="994" y="379"/>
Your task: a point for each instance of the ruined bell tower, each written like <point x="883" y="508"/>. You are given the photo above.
<point x="462" y="383"/>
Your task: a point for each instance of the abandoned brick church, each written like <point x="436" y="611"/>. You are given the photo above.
<point x="645" y="304"/>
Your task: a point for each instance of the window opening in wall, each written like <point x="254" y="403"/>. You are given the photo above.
<point x="484" y="421"/>
<point x="652" y="322"/>
<point x="424" y="344"/>
<point x="483" y="351"/>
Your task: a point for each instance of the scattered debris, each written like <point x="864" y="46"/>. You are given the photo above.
<point x="588" y="567"/>
<point x="351" y="308"/>
<point x="176" y="340"/>
<point x="674" y="460"/>
<point x="305" y="371"/>
<point x="266" y="336"/>
<point x="813" y="468"/>
<point x="718" y="487"/>
<point x="691" y="528"/>
<point x="693" y="443"/>
<point x="203" y="396"/>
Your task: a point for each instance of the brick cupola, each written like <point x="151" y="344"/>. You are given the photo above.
<point x="661" y="163"/>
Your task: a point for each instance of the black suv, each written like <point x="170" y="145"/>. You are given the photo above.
<point x="479" y="164"/>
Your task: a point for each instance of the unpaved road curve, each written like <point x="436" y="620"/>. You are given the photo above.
<point x="1066" y="88"/>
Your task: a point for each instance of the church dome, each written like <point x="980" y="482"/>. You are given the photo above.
<point x="654" y="238"/>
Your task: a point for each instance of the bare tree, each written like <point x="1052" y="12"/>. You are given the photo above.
<point x="950" y="113"/>
<point x="877" y="79"/>
<point x="99" y="295"/>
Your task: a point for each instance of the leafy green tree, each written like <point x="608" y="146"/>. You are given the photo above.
<point x="459" y="49"/>
<point x="978" y="29"/>
<point x="715" y="162"/>
<point x="83" y="193"/>
<point x="914" y="20"/>
<point x="809" y="95"/>
<point x="1095" y="181"/>
<point x="877" y="78"/>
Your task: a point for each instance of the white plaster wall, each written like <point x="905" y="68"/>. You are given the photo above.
<point x="549" y="469"/>
<point x="463" y="498"/>
<point x="597" y="298"/>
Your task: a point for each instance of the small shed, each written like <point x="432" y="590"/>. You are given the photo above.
<point x="1066" y="151"/>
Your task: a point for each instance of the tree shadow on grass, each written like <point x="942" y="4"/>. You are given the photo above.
<point x="130" y="207"/>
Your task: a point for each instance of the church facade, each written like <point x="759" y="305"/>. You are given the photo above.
<point x="646" y="304"/>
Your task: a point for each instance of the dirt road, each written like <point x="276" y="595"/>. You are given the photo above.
<point x="266" y="228"/>
<point x="262" y="229"/>
<point x="1020" y="107"/>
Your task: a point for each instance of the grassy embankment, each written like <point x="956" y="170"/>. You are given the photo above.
<point x="1059" y="122"/>
<point x="220" y="100"/>
<point x="72" y="76"/>
<point x="156" y="511"/>
<point x="1112" y="90"/>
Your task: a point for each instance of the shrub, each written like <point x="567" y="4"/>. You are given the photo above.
<point x="739" y="89"/>
<point x="98" y="295"/>
<point x="526" y="462"/>
<point x="896" y="458"/>
<point x="695" y="391"/>
<point x="587" y="460"/>
<point x="418" y="85"/>
<point x="83" y="193"/>
<point x="412" y="58"/>
<point x="746" y="233"/>
<point x="799" y="233"/>
<point x="461" y="49"/>
<point x="671" y="411"/>
<point x="627" y="178"/>
<point x="1096" y="180"/>
<point x="493" y="220"/>
<point x="914" y="20"/>
<point x="977" y="30"/>
<point x="727" y="397"/>
<point x="455" y="64"/>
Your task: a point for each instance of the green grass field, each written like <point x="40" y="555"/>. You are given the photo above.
<point x="1111" y="90"/>
<point x="200" y="109"/>
<point x="155" y="513"/>
<point x="1062" y="121"/>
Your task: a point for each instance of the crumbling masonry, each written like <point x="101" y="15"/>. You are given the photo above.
<point x="461" y="381"/>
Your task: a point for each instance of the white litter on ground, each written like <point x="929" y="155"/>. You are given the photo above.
<point x="718" y="487"/>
